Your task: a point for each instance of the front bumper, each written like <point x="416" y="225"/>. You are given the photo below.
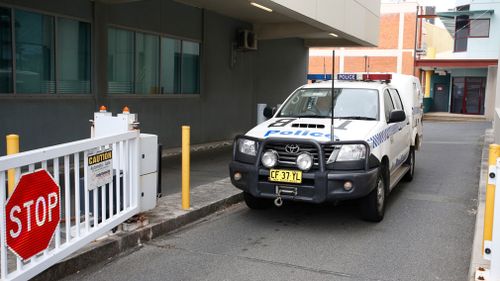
<point x="316" y="187"/>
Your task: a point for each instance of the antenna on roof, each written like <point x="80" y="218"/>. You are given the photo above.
<point x="333" y="95"/>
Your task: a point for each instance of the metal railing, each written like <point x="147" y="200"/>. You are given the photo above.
<point x="86" y="213"/>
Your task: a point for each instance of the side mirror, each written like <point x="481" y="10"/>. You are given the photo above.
<point x="269" y="112"/>
<point x="397" y="116"/>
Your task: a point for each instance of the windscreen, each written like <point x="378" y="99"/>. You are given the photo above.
<point x="317" y="103"/>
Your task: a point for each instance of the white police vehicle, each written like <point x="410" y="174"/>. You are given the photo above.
<point x="292" y="156"/>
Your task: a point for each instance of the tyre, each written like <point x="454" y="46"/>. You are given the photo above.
<point x="410" y="162"/>
<point x="372" y="206"/>
<point x="256" y="203"/>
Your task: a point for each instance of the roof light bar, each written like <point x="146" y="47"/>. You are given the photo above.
<point x="349" y="77"/>
<point x="261" y="7"/>
<point x="364" y="77"/>
<point x="377" y="77"/>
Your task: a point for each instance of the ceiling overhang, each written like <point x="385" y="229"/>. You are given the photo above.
<point x="281" y="23"/>
<point x="287" y="22"/>
<point x="456" y="63"/>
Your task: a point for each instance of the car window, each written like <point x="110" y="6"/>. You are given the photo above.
<point x="350" y="103"/>
<point x="396" y="99"/>
<point x="388" y="105"/>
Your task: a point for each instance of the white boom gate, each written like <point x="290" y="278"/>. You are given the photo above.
<point x="87" y="213"/>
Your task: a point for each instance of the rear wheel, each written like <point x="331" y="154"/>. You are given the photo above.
<point x="411" y="163"/>
<point x="372" y="206"/>
<point x="256" y="203"/>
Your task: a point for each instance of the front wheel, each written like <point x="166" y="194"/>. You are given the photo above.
<point x="256" y="203"/>
<point x="372" y="206"/>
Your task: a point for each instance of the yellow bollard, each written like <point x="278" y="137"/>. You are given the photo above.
<point x="428" y="77"/>
<point x="12" y="142"/>
<point x="185" y="167"/>
<point x="489" y="207"/>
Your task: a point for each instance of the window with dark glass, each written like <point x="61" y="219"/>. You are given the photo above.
<point x="120" y="61"/>
<point x="146" y="64"/>
<point x="479" y="28"/>
<point x="73" y="56"/>
<point x="461" y="33"/>
<point x="5" y="51"/>
<point x="170" y="81"/>
<point x="34" y="39"/>
<point x="190" y="67"/>
<point x="141" y="63"/>
<point x="33" y="63"/>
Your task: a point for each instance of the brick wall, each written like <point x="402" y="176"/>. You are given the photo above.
<point x="382" y="58"/>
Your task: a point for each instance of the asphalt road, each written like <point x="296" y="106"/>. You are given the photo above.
<point x="426" y="234"/>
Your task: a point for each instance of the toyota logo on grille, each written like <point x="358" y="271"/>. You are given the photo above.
<point x="292" y="148"/>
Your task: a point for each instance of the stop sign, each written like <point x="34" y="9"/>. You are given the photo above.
<point x="32" y="214"/>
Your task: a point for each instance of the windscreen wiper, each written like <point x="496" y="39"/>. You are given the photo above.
<point x="355" y="117"/>
<point x="311" y="116"/>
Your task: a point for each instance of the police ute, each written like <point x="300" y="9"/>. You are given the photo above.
<point x="303" y="154"/>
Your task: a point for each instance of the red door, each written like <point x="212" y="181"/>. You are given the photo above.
<point x="468" y="95"/>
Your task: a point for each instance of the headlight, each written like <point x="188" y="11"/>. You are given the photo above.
<point x="304" y="161"/>
<point x="269" y="158"/>
<point x="351" y="152"/>
<point x="247" y="146"/>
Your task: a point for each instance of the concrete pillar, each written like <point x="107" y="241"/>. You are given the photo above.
<point x="496" y="112"/>
<point x="491" y="85"/>
<point x="99" y="52"/>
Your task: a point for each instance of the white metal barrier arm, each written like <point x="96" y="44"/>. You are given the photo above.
<point x="80" y="224"/>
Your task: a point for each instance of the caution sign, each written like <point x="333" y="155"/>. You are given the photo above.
<point x="99" y="168"/>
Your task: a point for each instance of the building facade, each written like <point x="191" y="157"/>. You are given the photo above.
<point x="394" y="53"/>
<point x="173" y="63"/>
<point x="463" y="79"/>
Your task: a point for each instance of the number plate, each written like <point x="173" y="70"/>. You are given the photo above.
<point x="285" y="176"/>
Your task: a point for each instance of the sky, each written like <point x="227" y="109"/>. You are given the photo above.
<point x="441" y="5"/>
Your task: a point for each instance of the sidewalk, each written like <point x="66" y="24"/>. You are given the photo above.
<point x="167" y="216"/>
<point x="477" y="255"/>
<point x="452" y="117"/>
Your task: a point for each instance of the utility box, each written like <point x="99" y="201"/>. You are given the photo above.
<point x="105" y="124"/>
<point x="148" y="171"/>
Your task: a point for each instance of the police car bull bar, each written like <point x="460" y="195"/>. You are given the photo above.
<point x="321" y="158"/>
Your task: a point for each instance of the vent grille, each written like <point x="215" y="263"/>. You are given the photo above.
<point x="303" y="125"/>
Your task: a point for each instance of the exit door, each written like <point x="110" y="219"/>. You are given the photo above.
<point x="441" y="97"/>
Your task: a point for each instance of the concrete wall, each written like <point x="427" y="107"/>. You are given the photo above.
<point x="280" y="70"/>
<point x="438" y="38"/>
<point x="229" y="92"/>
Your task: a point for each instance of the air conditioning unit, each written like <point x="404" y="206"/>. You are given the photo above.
<point x="246" y="40"/>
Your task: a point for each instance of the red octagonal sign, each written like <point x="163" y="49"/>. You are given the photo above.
<point x="32" y="214"/>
